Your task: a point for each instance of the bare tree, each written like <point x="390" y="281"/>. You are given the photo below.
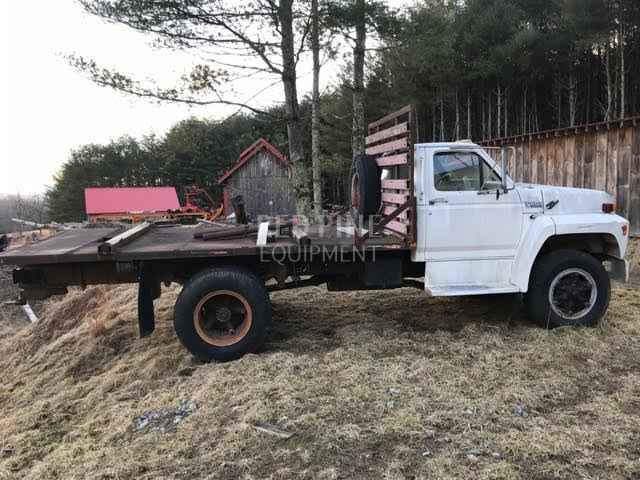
<point x="315" y="111"/>
<point x="359" y="49"/>
<point x="238" y="40"/>
<point x="621" y="41"/>
<point x="490" y="114"/>
<point x="457" y="127"/>
<point x="31" y="209"/>
<point x="609" y="107"/>
<point x="441" y="114"/>
<point x="573" y="98"/>
<point x="506" y="112"/>
<point x="469" y="114"/>
<point x="499" y="93"/>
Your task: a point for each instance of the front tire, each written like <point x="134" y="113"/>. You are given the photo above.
<point x="568" y="288"/>
<point x="222" y="314"/>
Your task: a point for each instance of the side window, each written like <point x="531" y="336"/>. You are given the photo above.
<point x="462" y="171"/>
<point x="490" y="179"/>
<point x="456" y="171"/>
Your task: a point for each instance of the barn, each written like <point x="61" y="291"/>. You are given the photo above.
<point x="261" y="176"/>
<point x="120" y="203"/>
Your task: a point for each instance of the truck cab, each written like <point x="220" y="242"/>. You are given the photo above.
<point x="478" y="232"/>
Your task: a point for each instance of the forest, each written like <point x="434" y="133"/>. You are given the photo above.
<point x="478" y="69"/>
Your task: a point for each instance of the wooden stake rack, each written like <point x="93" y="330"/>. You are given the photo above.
<point x="390" y="142"/>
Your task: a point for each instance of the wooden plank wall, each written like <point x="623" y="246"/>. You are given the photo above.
<point x="264" y="183"/>
<point x="603" y="157"/>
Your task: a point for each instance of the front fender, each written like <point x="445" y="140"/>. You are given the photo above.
<point x="546" y="226"/>
<point x="596" y="223"/>
<point x="540" y="230"/>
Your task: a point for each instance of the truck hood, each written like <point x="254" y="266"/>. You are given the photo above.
<point x="569" y="200"/>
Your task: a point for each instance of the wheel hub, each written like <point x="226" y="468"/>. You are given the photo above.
<point x="573" y="293"/>
<point x="222" y="318"/>
<point x="223" y="314"/>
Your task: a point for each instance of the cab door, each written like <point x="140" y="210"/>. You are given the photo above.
<point x="472" y="226"/>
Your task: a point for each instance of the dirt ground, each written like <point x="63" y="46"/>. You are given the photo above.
<point x="387" y="385"/>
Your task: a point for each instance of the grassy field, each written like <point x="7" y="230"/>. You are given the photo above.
<point x="372" y="385"/>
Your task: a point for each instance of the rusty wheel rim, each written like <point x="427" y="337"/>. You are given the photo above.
<point x="355" y="193"/>
<point x="222" y="318"/>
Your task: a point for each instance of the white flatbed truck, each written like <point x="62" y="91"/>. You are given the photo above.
<point x="444" y="217"/>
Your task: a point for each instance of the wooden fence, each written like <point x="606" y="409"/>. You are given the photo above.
<point x="603" y="156"/>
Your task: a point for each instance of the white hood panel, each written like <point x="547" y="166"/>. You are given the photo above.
<point x="569" y="200"/>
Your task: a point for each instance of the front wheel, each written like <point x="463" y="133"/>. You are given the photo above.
<point x="222" y="313"/>
<point x="568" y="288"/>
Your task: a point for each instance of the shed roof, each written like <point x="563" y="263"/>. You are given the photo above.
<point x="249" y="153"/>
<point x="130" y="199"/>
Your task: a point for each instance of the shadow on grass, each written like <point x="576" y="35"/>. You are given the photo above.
<point x="329" y="320"/>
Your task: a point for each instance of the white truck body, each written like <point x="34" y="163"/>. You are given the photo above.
<point x="484" y="241"/>
<point x="444" y="211"/>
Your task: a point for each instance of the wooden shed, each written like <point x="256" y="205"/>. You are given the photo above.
<point x="261" y="176"/>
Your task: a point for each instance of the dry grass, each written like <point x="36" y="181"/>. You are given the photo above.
<point x="633" y="254"/>
<point x="375" y="385"/>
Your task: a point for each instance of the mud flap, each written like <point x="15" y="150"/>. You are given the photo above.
<point x="148" y="291"/>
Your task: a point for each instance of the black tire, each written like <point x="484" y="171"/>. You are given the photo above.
<point x="366" y="191"/>
<point x="237" y="286"/>
<point x="574" y="301"/>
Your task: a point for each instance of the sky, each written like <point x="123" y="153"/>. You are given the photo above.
<point x="47" y="108"/>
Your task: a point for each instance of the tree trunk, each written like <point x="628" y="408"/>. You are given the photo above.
<point x="524" y="110"/>
<point x="358" y="127"/>
<point x="559" y="105"/>
<point x="587" y="110"/>
<point x="573" y="84"/>
<point x="469" y="114"/>
<point x="484" y="117"/>
<point x="499" y="110"/>
<point x="607" y="115"/>
<point x="315" y="112"/>
<point x="490" y="126"/>
<point x="614" y="85"/>
<point x="457" y="117"/>
<point x="623" y="96"/>
<point x="506" y="112"/>
<point x="299" y="175"/>
<point x="441" y="115"/>
<point x="434" y="128"/>
<point x="536" y="125"/>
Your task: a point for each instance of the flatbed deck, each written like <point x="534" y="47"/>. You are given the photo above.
<point x="164" y="242"/>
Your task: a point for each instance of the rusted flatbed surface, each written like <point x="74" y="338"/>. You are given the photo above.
<point x="174" y="242"/>
<point x="69" y="246"/>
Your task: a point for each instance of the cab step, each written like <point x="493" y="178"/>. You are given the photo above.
<point x="462" y="290"/>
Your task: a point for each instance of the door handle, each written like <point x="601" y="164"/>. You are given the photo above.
<point x="438" y="200"/>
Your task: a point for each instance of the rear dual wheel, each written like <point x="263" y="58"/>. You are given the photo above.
<point x="222" y="314"/>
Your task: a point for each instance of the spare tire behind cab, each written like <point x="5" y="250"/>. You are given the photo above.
<point x="365" y="186"/>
